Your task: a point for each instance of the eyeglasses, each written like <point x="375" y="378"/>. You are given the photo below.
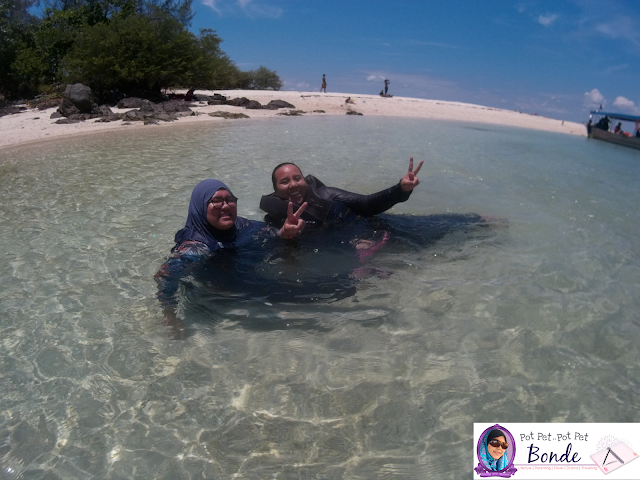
<point x="497" y="443"/>
<point x="218" y="202"/>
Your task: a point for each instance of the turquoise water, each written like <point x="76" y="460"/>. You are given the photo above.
<point x="534" y="322"/>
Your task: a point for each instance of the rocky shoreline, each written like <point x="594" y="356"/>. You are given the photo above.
<point x="46" y="117"/>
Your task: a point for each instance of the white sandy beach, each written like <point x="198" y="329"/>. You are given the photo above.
<point x="35" y="125"/>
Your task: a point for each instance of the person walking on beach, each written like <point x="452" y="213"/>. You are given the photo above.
<point x="324" y="84"/>
<point x="386" y="86"/>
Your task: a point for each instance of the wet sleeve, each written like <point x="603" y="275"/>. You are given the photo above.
<point x="177" y="266"/>
<point x="368" y="205"/>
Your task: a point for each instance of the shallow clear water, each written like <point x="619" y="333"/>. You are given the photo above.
<point x="534" y="322"/>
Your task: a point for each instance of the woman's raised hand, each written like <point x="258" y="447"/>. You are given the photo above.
<point x="294" y="224"/>
<point x="410" y="179"/>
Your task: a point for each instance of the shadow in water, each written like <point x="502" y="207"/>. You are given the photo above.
<point x="251" y="286"/>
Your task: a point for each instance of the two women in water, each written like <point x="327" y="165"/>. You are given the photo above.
<point x="241" y="247"/>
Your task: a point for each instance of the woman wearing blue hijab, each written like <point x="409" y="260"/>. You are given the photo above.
<point x="493" y="451"/>
<point x="212" y="226"/>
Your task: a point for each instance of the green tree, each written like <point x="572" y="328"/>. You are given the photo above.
<point x="133" y="54"/>
<point x="137" y="46"/>
<point x="265" y="79"/>
<point x="16" y="24"/>
<point x="213" y="68"/>
<point x="39" y="56"/>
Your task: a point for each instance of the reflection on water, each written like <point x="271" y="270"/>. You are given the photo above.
<point x="534" y="322"/>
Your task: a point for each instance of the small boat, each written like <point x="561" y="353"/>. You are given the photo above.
<point x="600" y="130"/>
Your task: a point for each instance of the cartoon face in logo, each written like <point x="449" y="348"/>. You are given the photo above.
<point x="496" y="449"/>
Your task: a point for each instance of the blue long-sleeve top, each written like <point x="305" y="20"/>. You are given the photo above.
<point x="198" y="240"/>
<point x="189" y="254"/>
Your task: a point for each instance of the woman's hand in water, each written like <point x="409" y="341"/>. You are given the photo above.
<point x="172" y="320"/>
<point x="410" y="180"/>
<point x="294" y="224"/>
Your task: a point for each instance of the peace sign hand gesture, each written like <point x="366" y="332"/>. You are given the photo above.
<point x="410" y="180"/>
<point x="294" y="224"/>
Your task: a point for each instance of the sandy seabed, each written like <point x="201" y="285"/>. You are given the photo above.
<point x="34" y="125"/>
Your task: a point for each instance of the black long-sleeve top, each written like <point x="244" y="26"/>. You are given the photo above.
<point x="327" y="204"/>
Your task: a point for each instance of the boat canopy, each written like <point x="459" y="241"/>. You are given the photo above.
<point x="617" y="116"/>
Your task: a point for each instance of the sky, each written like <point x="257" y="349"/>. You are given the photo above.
<point x="558" y="59"/>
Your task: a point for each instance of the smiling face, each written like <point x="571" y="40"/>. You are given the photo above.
<point x="497" y="452"/>
<point x="224" y="217"/>
<point x="290" y="184"/>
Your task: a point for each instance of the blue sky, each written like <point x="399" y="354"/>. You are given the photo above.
<point x="554" y="58"/>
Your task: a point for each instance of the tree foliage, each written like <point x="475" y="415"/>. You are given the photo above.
<point x="136" y="46"/>
<point x="132" y="54"/>
<point x="16" y="24"/>
<point x="264" y="79"/>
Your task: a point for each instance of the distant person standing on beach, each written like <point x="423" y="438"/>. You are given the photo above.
<point x="324" y="84"/>
<point x="386" y="86"/>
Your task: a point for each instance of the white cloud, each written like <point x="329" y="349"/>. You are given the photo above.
<point x="431" y="44"/>
<point x="593" y="99"/>
<point x="248" y="7"/>
<point x="375" y="78"/>
<point x="626" y="105"/>
<point x="258" y="10"/>
<point x="617" y="68"/>
<point x="211" y="4"/>
<point x="548" y="19"/>
<point x="624" y="27"/>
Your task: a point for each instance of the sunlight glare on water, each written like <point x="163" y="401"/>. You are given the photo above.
<point x="536" y="321"/>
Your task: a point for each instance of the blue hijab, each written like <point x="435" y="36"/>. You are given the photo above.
<point x="488" y="461"/>
<point x="197" y="227"/>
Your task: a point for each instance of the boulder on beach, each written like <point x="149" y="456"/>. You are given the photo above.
<point x="238" y="102"/>
<point x="76" y="99"/>
<point x="253" y="105"/>
<point x="276" y="104"/>
<point x="130" y="102"/>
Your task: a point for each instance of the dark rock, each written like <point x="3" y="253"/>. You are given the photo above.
<point x="292" y="113"/>
<point x="228" y="115"/>
<point x="50" y="103"/>
<point x="353" y="112"/>
<point x="79" y="116"/>
<point x="149" y="107"/>
<point x="319" y="111"/>
<point x="79" y="97"/>
<point x="165" y="117"/>
<point x="133" y="115"/>
<point x="216" y="102"/>
<point x="132" y="102"/>
<point x="104" y="111"/>
<point x="10" y="110"/>
<point x="150" y="121"/>
<point x="55" y="114"/>
<point x="173" y="106"/>
<point x="238" y="102"/>
<point x="253" y="105"/>
<point x="276" y="104"/>
<point x="67" y="108"/>
<point x="63" y="121"/>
